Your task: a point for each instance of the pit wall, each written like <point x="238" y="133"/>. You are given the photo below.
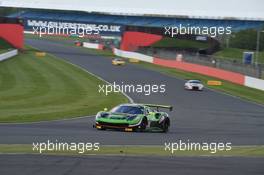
<point x="13" y="34"/>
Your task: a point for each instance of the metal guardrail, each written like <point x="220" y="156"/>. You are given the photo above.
<point x="208" y="60"/>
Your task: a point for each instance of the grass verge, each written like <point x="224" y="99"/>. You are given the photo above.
<point x="46" y="88"/>
<point x="240" y="151"/>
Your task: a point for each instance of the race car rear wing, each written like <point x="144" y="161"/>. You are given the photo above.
<point x="159" y="106"/>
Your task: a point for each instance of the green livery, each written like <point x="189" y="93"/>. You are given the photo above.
<point x="134" y="117"/>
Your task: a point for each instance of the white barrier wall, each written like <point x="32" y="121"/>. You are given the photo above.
<point x="248" y="81"/>
<point x="254" y="83"/>
<point x="134" y="55"/>
<point x="9" y="54"/>
<point x="91" y="45"/>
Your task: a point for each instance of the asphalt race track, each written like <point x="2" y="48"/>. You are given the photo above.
<point x="119" y="165"/>
<point x="205" y="116"/>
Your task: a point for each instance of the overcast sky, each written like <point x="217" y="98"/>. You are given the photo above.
<point x="194" y="8"/>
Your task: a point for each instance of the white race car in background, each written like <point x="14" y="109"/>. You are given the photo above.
<point x="194" y="85"/>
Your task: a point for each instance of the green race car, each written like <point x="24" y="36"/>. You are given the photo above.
<point x="134" y="117"/>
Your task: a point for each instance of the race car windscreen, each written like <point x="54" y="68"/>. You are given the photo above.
<point x="128" y="110"/>
<point x="195" y="81"/>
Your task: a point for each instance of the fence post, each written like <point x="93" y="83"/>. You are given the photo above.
<point x="259" y="71"/>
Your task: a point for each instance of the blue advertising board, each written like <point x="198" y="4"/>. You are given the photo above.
<point x="248" y="57"/>
<point x="59" y="27"/>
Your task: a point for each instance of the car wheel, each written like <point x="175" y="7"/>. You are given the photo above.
<point x="143" y="125"/>
<point x="165" y="125"/>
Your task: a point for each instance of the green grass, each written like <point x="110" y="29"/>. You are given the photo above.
<point x="241" y="151"/>
<point x="46" y="88"/>
<point x="4" y="46"/>
<point x="236" y="54"/>
<point x="179" y="43"/>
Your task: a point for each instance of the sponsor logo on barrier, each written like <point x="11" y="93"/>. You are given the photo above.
<point x="133" y="60"/>
<point x="214" y="83"/>
<point x="40" y="54"/>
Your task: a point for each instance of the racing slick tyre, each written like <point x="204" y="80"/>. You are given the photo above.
<point x="143" y="125"/>
<point x="165" y="125"/>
